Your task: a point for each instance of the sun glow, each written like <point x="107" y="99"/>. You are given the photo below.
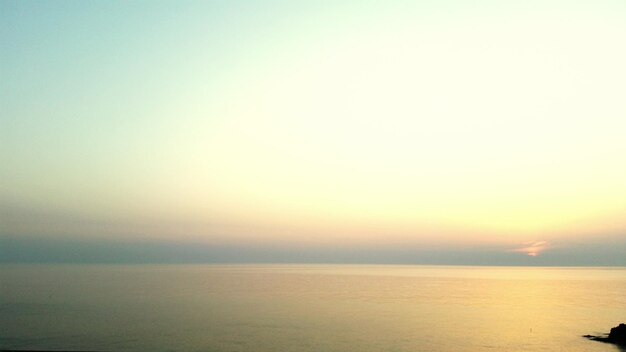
<point x="533" y="249"/>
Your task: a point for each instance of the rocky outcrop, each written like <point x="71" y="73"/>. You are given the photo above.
<point x="616" y="336"/>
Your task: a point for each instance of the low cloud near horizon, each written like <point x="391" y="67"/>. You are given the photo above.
<point x="45" y="250"/>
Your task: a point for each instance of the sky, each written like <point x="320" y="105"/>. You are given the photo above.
<point x="447" y="132"/>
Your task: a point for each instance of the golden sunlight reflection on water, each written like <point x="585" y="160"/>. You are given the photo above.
<point x="308" y="307"/>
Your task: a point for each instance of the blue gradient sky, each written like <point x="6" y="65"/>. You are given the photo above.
<point x="427" y="131"/>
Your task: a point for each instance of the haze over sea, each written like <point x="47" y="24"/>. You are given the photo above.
<point x="308" y="307"/>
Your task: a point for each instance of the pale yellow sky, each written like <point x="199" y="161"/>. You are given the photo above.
<point x="346" y="123"/>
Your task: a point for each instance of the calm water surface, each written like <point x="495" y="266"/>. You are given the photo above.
<point x="308" y="307"/>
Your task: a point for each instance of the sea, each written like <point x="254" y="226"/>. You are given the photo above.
<point x="285" y="307"/>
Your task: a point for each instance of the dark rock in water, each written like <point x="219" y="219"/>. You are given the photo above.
<point x="616" y="336"/>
